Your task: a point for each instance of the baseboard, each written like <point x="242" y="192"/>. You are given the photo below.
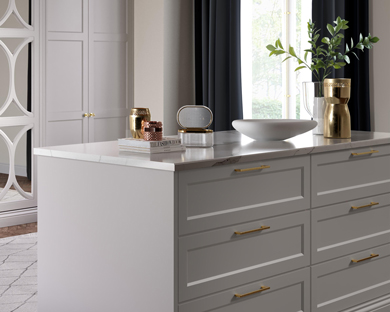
<point x="18" y="217"/>
<point x="20" y="171"/>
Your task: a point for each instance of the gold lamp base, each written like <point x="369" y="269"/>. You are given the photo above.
<point x="337" y="119"/>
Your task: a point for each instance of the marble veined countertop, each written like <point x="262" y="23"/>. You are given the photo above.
<point x="230" y="147"/>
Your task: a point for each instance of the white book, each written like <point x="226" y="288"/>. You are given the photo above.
<point x="153" y="150"/>
<point x="166" y="141"/>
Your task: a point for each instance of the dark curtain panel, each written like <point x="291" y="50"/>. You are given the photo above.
<point x="218" y="60"/>
<point x="356" y="12"/>
<point x="29" y="102"/>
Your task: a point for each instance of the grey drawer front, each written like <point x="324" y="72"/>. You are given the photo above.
<point x="216" y="197"/>
<point x="288" y="293"/>
<point x="340" y="230"/>
<point x="220" y="259"/>
<point x="340" y="284"/>
<point x="340" y="176"/>
<point x="383" y="309"/>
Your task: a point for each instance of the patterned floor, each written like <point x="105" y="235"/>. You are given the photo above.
<point x="18" y="273"/>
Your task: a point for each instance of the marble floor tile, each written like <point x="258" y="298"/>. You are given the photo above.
<point x="18" y="272"/>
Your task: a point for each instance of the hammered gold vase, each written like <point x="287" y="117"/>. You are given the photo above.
<point x="137" y="115"/>
<point x="337" y="119"/>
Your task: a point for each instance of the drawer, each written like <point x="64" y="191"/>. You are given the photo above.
<point x="287" y="293"/>
<point x="213" y="261"/>
<point x="341" y="176"/>
<point x="342" y="283"/>
<point x="220" y="196"/>
<point x="339" y="230"/>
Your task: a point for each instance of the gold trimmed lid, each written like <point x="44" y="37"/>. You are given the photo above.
<point x="195" y="130"/>
<point x="194" y="117"/>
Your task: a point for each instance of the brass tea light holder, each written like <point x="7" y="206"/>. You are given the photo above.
<point x="337" y="119"/>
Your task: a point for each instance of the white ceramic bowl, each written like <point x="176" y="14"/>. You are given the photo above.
<point x="273" y="129"/>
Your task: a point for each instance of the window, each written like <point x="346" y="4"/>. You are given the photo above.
<point x="272" y="89"/>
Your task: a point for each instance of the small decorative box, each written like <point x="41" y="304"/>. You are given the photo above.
<point x="152" y="130"/>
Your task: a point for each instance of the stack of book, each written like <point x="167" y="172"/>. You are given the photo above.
<point x="168" y="144"/>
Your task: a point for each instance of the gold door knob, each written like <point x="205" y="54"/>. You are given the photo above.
<point x="92" y="115"/>
<point x="86" y="115"/>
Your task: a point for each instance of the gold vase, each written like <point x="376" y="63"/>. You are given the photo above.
<point x="337" y="120"/>
<point x="137" y="115"/>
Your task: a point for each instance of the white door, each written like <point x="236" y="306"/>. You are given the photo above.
<point x="86" y="71"/>
<point x="108" y="75"/>
<point x="66" y="72"/>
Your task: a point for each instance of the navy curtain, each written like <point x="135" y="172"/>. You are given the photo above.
<point x="218" y="60"/>
<point x="356" y="12"/>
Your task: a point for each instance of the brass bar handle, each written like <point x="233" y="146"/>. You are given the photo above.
<point x="365" y="206"/>
<point x="365" y="153"/>
<point x="252" y="169"/>
<point x="263" y="288"/>
<point x="364" y="259"/>
<point x="264" y="227"/>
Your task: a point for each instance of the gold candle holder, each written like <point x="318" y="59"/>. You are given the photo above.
<point x="137" y="115"/>
<point x="337" y="119"/>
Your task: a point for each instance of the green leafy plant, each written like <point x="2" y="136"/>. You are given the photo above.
<point x="328" y="53"/>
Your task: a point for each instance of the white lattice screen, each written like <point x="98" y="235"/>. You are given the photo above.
<point x="25" y="119"/>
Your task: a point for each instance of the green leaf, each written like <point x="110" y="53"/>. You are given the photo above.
<point x="346" y="58"/>
<point x="360" y="46"/>
<point x="369" y="46"/>
<point x="355" y="55"/>
<point x="278" y="52"/>
<point x="344" y="27"/>
<point x="374" y="40"/>
<point x="309" y="50"/>
<point x="346" y="49"/>
<point x="366" y="41"/>
<point x="300" y="61"/>
<point x="338" y="20"/>
<point x="337" y="29"/>
<point x="336" y="66"/>
<point x="330" y="29"/>
<point x="288" y="57"/>
<point x="321" y="64"/>
<point x="340" y="35"/>
<point x="306" y="56"/>
<point x="291" y="51"/>
<point x="325" y="40"/>
<point x="300" y="67"/>
<point x="316" y="37"/>
<point x="271" y="47"/>
<point x="341" y="64"/>
<point x="340" y="56"/>
<point x="361" y="38"/>
<point x="280" y="44"/>
<point x="351" y="43"/>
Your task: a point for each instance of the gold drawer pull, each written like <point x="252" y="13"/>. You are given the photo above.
<point x="253" y="292"/>
<point x="252" y="169"/>
<point x="368" y="258"/>
<point x="365" y="206"/>
<point x="365" y="153"/>
<point x="251" y="231"/>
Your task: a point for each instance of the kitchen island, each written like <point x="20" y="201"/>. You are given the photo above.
<point x="296" y="225"/>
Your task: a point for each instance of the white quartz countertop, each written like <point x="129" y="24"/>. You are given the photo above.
<point x="230" y="147"/>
